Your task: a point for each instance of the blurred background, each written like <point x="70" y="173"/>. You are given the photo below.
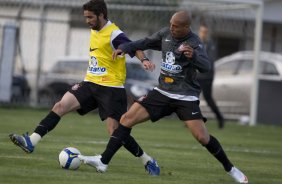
<point x="44" y="47"/>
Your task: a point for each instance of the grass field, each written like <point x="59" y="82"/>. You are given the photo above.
<point x="255" y="150"/>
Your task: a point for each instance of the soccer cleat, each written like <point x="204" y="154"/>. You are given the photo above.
<point x="94" y="161"/>
<point x="238" y="176"/>
<point x="152" y="168"/>
<point x="23" y="142"/>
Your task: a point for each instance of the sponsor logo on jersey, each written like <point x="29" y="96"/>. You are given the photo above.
<point x="168" y="80"/>
<point x="94" y="68"/>
<point x="168" y="64"/>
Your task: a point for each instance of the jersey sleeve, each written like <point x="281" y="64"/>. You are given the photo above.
<point x="153" y="42"/>
<point x="118" y="37"/>
<point x="200" y="57"/>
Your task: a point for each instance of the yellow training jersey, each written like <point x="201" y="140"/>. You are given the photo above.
<point x="102" y="69"/>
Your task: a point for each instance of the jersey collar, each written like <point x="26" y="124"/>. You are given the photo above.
<point x="106" y="25"/>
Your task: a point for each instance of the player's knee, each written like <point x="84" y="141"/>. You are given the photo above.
<point x="125" y="120"/>
<point x="202" y="138"/>
<point x="111" y="128"/>
<point x="59" y="108"/>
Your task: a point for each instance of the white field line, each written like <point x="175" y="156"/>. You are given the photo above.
<point x="21" y="157"/>
<point x="228" y="149"/>
<point x="238" y="150"/>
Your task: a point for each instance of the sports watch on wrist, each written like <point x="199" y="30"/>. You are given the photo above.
<point x="145" y="59"/>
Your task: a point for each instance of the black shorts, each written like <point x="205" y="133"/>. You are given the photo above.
<point x="111" y="101"/>
<point x="159" y="105"/>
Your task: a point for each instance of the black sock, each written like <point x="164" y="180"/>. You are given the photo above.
<point x="47" y="124"/>
<point x="116" y="141"/>
<point x="215" y="148"/>
<point x="132" y="146"/>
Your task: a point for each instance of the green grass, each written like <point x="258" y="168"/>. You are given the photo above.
<point x="255" y="150"/>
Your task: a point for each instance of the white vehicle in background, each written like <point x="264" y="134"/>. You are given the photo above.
<point x="233" y="80"/>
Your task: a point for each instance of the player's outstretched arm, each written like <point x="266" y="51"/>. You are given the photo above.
<point x="146" y="63"/>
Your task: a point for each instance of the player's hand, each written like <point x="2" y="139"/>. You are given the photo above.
<point x="117" y="53"/>
<point x="148" y="65"/>
<point x="187" y="51"/>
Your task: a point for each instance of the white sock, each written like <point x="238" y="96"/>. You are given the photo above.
<point x="34" y="138"/>
<point x="145" y="158"/>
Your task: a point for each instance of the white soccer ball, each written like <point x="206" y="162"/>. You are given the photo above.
<point x="68" y="158"/>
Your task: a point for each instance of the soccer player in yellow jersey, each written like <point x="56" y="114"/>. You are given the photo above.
<point x="102" y="87"/>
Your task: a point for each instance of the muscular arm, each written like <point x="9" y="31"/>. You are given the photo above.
<point x="140" y="55"/>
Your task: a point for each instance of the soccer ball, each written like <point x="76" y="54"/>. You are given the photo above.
<point x="68" y="158"/>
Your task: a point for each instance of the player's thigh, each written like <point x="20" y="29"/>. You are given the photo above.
<point x="136" y="114"/>
<point x="66" y="104"/>
<point x="198" y="130"/>
<point x="112" y="102"/>
<point x="188" y="110"/>
<point x="84" y="93"/>
<point x="157" y="105"/>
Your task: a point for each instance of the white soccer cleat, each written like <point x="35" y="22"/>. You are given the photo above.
<point x="94" y="161"/>
<point x="238" y="176"/>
